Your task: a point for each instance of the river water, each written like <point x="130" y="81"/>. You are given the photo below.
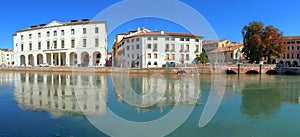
<point x="80" y="105"/>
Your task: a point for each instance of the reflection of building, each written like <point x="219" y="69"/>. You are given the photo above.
<point x="292" y="55"/>
<point x="226" y="54"/>
<point x="149" y="49"/>
<point x="62" y="44"/>
<point x="6" y="57"/>
<point x="153" y="92"/>
<point x="62" y="94"/>
<point x="6" y="78"/>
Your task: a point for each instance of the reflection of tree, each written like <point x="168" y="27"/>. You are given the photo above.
<point x="265" y="99"/>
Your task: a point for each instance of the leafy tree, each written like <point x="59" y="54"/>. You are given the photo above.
<point x="202" y="59"/>
<point x="262" y="42"/>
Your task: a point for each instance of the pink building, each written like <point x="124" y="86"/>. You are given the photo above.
<point x="292" y="55"/>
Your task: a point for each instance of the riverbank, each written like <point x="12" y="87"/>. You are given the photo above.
<point x="207" y="70"/>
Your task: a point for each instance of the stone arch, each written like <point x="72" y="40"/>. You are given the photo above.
<point x="97" y="58"/>
<point x="40" y="59"/>
<point x="73" y="59"/>
<point x="252" y="72"/>
<point x="22" y="60"/>
<point x="85" y="59"/>
<point x="30" y="60"/>
<point x="295" y="64"/>
<point x="231" y="72"/>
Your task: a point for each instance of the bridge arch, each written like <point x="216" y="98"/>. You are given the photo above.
<point x="231" y="72"/>
<point x="252" y="72"/>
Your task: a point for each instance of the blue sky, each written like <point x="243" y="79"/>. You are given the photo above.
<point x="227" y="17"/>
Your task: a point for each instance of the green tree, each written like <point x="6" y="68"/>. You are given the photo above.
<point x="202" y="59"/>
<point x="262" y="42"/>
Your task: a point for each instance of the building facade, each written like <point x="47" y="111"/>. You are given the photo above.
<point x="210" y="45"/>
<point x="292" y="55"/>
<point x="6" y="57"/>
<point x="74" y="43"/>
<point x="151" y="49"/>
<point x="228" y="54"/>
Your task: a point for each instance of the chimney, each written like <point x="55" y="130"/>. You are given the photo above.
<point x="139" y="28"/>
<point x="162" y="32"/>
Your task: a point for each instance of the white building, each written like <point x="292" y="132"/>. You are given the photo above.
<point x="6" y="57"/>
<point x="151" y="49"/>
<point x="74" y="43"/>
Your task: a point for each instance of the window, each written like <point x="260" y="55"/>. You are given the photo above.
<point x="181" y="47"/>
<point x="167" y="47"/>
<point x="288" y="56"/>
<point x="155" y="56"/>
<point x="149" y="46"/>
<point x="30" y="46"/>
<point x="96" y="42"/>
<point x="48" y="44"/>
<point x="149" y="63"/>
<point x="84" y="31"/>
<point x="72" y="31"/>
<point x="137" y="46"/>
<point x="30" y="36"/>
<point x="137" y="39"/>
<point x="167" y="38"/>
<point x="187" y="57"/>
<point x="173" y="57"/>
<point x="55" y="44"/>
<point x="181" y="39"/>
<point x="167" y="57"/>
<point x="298" y="47"/>
<point x="292" y="47"/>
<point x="62" y="32"/>
<point x="39" y="45"/>
<point x="187" y="48"/>
<point x="48" y="33"/>
<point x="298" y="56"/>
<point x="288" y="42"/>
<point x="22" y="47"/>
<point x="187" y="39"/>
<point x="181" y="57"/>
<point x="292" y="55"/>
<point x="22" y="37"/>
<point x="96" y="30"/>
<point x="39" y="35"/>
<point x="293" y="42"/>
<point x="173" y="38"/>
<point x="128" y="41"/>
<point x="84" y="42"/>
<point x="288" y="47"/>
<point x="132" y="47"/>
<point x="155" y="63"/>
<point x="149" y="56"/>
<point x="197" y="49"/>
<point x="132" y="40"/>
<point x="128" y="47"/>
<point x="149" y="38"/>
<point x="55" y="33"/>
<point x="62" y="44"/>
<point x="132" y="56"/>
<point x="72" y="43"/>
<point x="154" y="47"/>
<point x="155" y="38"/>
<point x="197" y="40"/>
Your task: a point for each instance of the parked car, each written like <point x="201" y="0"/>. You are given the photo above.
<point x="169" y="64"/>
<point x="44" y="65"/>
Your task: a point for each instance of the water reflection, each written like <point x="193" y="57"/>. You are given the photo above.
<point x="146" y="92"/>
<point x="55" y="93"/>
<point x="264" y="96"/>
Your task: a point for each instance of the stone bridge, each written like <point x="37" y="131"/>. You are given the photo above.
<point x="250" y="68"/>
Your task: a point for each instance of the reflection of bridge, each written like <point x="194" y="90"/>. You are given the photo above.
<point x="250" y="68"/>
